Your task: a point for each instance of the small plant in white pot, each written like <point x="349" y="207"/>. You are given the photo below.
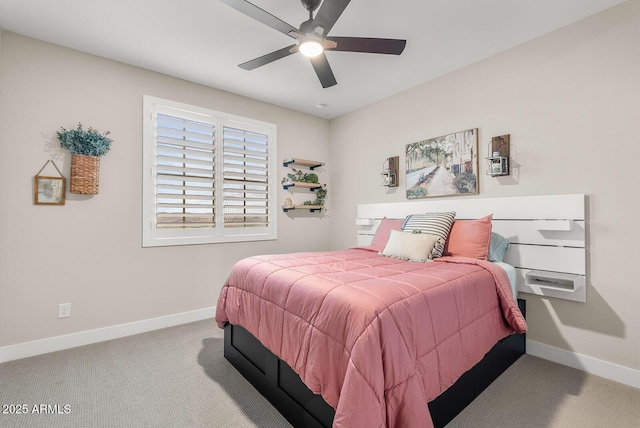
<point x="86" y="146"/>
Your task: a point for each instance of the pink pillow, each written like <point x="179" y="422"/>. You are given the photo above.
<point x="384" y="230"/>
<point x="469" y="238"/>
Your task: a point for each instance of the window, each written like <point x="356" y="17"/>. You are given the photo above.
<point x="209" y="177"/>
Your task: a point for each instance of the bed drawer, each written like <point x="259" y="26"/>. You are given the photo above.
<point x="275" y="380"/>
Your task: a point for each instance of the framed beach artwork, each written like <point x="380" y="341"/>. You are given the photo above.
<point x="443" y="166"/>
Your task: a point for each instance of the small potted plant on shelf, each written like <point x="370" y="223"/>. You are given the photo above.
<point x="300" y="177"/>
<point x="86" y="146"/>
<point x="321" y="195"/>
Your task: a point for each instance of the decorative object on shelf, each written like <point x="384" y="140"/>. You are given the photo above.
<point x="443" y="166"/>
<point x="390" y="168"/>
<point x="49" y="190"/>
<point x="498" y="159"/>
<point x="86" y="146"/>
<point x="288" y="203"/>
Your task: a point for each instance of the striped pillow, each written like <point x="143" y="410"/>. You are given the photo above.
<point x="438" y="224"/>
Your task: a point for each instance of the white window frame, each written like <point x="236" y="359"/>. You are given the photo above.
<point x="153" y="236"/>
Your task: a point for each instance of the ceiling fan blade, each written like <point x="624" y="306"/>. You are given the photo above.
<point x="261" y="15"/>
<point x="368" y="45"/>
<point x="329" y="12"/>
<point x="323" y="70"/>
<point x="270" y="57"/>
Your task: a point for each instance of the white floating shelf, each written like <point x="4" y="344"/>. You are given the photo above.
<point x="364" y="221"/>
<point x="557" y="225"/>
<point x="553" y="284"/>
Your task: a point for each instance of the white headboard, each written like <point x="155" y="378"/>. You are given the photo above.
<point x="547" y="235"/>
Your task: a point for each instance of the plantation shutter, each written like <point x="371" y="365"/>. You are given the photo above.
<point x="185" y="173"/>
<point x="245" y="178"/>
<point x="208" y="176"/>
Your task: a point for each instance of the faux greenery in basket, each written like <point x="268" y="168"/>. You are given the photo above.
<point x="81" y="141"/>
<point x="86" y="147"/>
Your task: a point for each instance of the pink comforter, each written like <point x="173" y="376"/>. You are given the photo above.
<point x="377" y="337"/>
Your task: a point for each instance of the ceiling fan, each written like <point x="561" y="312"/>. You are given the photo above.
<point x="312" y="37"/>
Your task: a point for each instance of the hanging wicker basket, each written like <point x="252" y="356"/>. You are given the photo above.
<point x="85" y="173"/>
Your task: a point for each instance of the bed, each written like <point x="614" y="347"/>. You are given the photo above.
<point x="276" y="381"/>
<point x="360" y="338"/>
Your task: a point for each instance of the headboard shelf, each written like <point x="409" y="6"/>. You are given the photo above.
<point x="546" y="232"/>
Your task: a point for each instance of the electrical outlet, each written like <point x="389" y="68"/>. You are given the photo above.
<point x="64" y="310"/>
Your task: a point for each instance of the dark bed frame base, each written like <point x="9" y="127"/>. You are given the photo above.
<point x="276" y="381"/>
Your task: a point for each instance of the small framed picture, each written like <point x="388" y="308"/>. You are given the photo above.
<point x="49" y="190"/>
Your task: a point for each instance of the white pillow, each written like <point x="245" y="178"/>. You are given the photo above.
<point x="415" y="247"/>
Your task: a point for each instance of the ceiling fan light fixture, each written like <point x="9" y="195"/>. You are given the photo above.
<point x="312" y="37"/>
<point x="310" y="47"/>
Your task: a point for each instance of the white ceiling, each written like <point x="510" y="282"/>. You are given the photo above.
<point x="204" y="40"/>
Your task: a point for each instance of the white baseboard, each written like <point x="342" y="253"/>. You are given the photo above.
<point x="611" y="371"/>
<point x="58" y="343"/>
<point x="615" y="372"/>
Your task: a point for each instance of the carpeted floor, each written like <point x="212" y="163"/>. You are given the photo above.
<point x="178" y="377"/>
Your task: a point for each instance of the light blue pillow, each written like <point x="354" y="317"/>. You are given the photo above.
<point x="498" y="247"/>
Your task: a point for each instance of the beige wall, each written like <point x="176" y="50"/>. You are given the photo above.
<point x="88" y="252"/>
<point x="570" y="101"/>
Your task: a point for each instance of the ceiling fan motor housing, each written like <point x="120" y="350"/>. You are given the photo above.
<point x="311" y="5"/>
<point x="307" y="27"/>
